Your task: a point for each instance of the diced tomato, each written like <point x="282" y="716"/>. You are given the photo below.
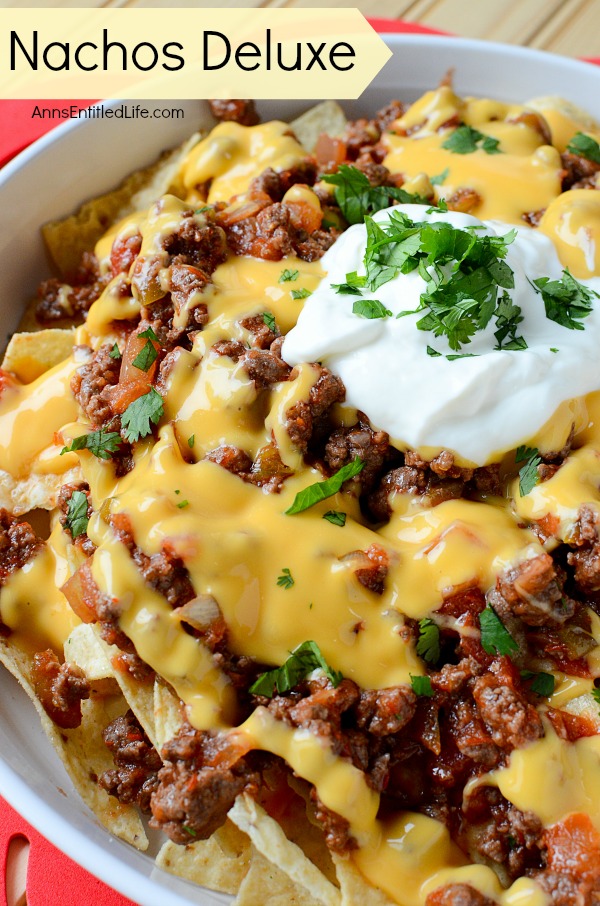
<point x="571" y="726"/>
<point x="574" y="846"/>
<point x="82" y="593"/>
<point x="124" y="252"/>
<point x="329" y="150"/>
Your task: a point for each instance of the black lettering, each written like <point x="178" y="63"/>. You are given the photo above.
<point x="216" y="34"/>
<point x="316" y="56"/>
<point x="36" y="111"/>
<point x="297" y="64"/>
<point x="254" y="52"/>
<point x="350" y="52"/>
<point x="173" y="56"/>
<point x="64" y="48"/>
<point x="78" y="61"/>
<point x="268" y="50"/>
<point x="108" y="45"/>
<point x="14" y="40"/>
<point x="154" y="56"/>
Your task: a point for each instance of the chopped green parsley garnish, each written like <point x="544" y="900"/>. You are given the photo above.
<point x="528" y="474"/>
<point x="191" y="440"/>
<point x="357" y="197"/>
<point x="269" y="319"/>
<point x="421" y="685"/>
<point x="100" y="443"/>
<point x="300" y="293"/>
<point x="371" y="309"/>
<point x="466" y="140"/>
<point x="300" y="664"/>
<point x="543" y="683"/>
<point x="495" y="637"/>
<point x="433" y="352"/>
<point x="335" y="517"/>
<point x="139" y="415"/>
<point x="428" y="644"/>
<point x="148" y="334"/>
<point x="321" y="490"/>
<point x="146" y="356"/>
<point x="585" y="146"/>
<point x="288" y="275"/>
<point x="439" y="178"/>
<point x="353" y="286"/>
<point x="114" y="353"/>
<point x="285" y="580"/>
<point x="566" y="301"/>
<point x="553" y="349"/>
<point x="77" y="517"/>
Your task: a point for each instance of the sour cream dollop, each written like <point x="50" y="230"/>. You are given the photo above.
<point x="477" y="407"/>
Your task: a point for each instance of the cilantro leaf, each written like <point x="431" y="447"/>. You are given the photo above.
<point x="146" y="356"/>
<point x="371" y="309"/>
<point x="288" y="275"/>
<point x="433" y="352"/>
<point x="269" y="319"/>
<point x="466" y="140"/>
<point x="100" y="443"/>
<point x="302" y="661"/>
<point x="567" y="301"/>
<point x="585" y="146"/>
<point x="335" y="517"/>
<point x="321" y="490"/>
<point x="114" y="353"/>
<point x="528" y="474"/>
<point x="495" y="637"/>
<point x="428" y="644"/>
<point x="439" y="178"/>
<point x="543" y="683"/>
<point x="191" y="441"/>
<point x="138" y="416"/>
<point x="357" y="197"/>
<point x="77" y="514"/>
<point x="148" y="334"/>
<point x="421" y="685"/>
<point x="300" y="293"/>
<point x="285" y="580"/>
<point x="596" y="697"/>
<point x="182" y="504"/>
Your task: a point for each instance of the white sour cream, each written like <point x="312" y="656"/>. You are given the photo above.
<point x="478" y="407"/>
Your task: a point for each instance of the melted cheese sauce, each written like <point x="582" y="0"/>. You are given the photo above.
<point x="235" y="539"/>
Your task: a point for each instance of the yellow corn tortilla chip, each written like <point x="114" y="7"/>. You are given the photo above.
<point x="168" y="714"/>
<point x="220" y="863"/>
<point x="83" y="650"/>
<point x="21" y="495"/>
<point x="69" y="238"/>
<point x="82" y="750"/>
<point x="355" y="888"/>
<point x="265" y="883"/>
<point x="29" y="355"/>
<point x="269" y="839"/>
<point x="325" y="117"/>
<point x="564" y="118"/>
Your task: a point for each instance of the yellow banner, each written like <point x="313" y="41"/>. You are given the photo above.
<point x="166" y="53"/>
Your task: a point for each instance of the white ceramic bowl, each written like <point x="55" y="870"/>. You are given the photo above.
<point x="84" y="158"/>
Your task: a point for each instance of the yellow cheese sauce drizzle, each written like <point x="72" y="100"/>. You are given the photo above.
<point x="235" y="539"/>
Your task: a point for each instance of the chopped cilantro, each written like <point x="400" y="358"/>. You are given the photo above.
<point x="353" y="285"/>
<point x="507" y="317"/>
<point x="285" y="580"/>
<point x="357" y="197"/>
<point x="428" y="644"/>
<point x="300" y="293"/>
<point x="138" y="416"/>
<point x="421" y="685"/>
<point x="186" y="828"/>
<point x="464" y="355"/>
<point x="543" y="683"/>
<point x="100" y="443"/>
<point x="596" y="697"/>
<point x="585" y="146"/>
<point x="528" y="474"/>
<point x="566" y="301"/>
<point x="321" y="490"/>
<point x="433" y="352"/>
<point x="146" y="356"/>
<point x="495" y="637"/>
<point x="439" y="178"/>
<point x="77" y="517"/>
<point x="191" y="440"/>
<point x="182" y="504"/>
<point x="269" y="319"/>
<point x="335" y="517"/>
<point x="300" y="664"/>
<point x="148" y="334"/>
<point x="440" y="205"/>
<point x="114" y="353"/>
<point x="553" y="349"/>
<point x="466" y="140"/>
<point x="288" y="275"/>
<point x="371" y="309"/>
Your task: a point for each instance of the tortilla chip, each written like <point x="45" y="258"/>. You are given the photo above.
<point x="325" y="117"/>
<point x="354" y="886"/>
<point x="29" y="355"/>
<point x="168" y="714"/>
<point x="220" y="863"/>
<point x="266" y="883"/>
<point x="563" y="118"/>
<point x="270" y="840"/>
<point x="20" y="496"/>
<point x="83" y="650"/>
<point x="82" y="750"/>
<point x="69" y="238"/>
